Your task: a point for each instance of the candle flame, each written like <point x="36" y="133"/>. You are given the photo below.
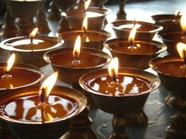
<point x="132" y="34"/>
<point x="85" y="24"/>
<point x="183" y="22"/>
<point x="87" y="3"/>
<point x="47" y="85"/>
<point x="10" y="63"/>
<point x="113" y="68"/>
<point x="76" y="51"/>
<point x="181" y="47"/>
<point x="34" y="32"/>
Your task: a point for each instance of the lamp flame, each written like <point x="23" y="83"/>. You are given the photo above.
<point x="181" y="47"/>
<point x="87" y="3"/>
<point x="113" y="68"/>
<point x="9" y="63"/>
<point x="132" y="34"/>
<point x="85" y="24"/>
<point x="33" y="34"/>
<point x="76" y="51"/>
<point x="183" y="22"/>
<point x="47" y="86"/>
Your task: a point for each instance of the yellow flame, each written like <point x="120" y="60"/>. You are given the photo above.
<point x="10" y="63"/>
<point x="85" y="23"/>
<point x="48" y="84"/>
<point x="132" y="34"/>
<point x="87" y="3"/>
<point x="183" y="22"/>
<point x="76" y="51"/>
<point x="113" y="67"/>
<point x="34" y="32"/>
<point x="181" y="47"/>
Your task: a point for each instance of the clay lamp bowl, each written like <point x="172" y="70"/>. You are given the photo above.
<point x="30" y="113"/>
<point x="24" y="10"/>
<point x="31" y="49"/>
<point x="170" y="22"/>
<point x="145" y="30"/>
<point x="96" y="17"/>
<point x="18" y="75"/>
<point x="116" y="95"/>
<point x="72" y="63"/>
<point x="137" y="57"/>
<point x="172" y="73"/>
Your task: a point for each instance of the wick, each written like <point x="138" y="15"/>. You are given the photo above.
<point x="31" y="39"/>
<point x="7" y="76"/>
<point x="6" y="73"/>
<point x="76" y="62"/>
<point x="7" y="80"/>
<point x="114" y="76"/>
<point x="84" y="30"/>
<point x="42" y="95"/>
<point x="131" y="42"/>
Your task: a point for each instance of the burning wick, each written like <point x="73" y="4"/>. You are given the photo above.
<point x="7" y="77"/>
<point x="6" y="73"/>
<point x="44" y="92"/>
<point x="46" y="88"/>
<point x="84" y="28"/>
<point x="76" y="51"/>
<point x="113" y="72"/>
<point x="32" y="35"/>
<point x="113" y="69"/>
<point x="42" y="95"/>
<point x="132" y="37"/>
<point x="8" y="66"/>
